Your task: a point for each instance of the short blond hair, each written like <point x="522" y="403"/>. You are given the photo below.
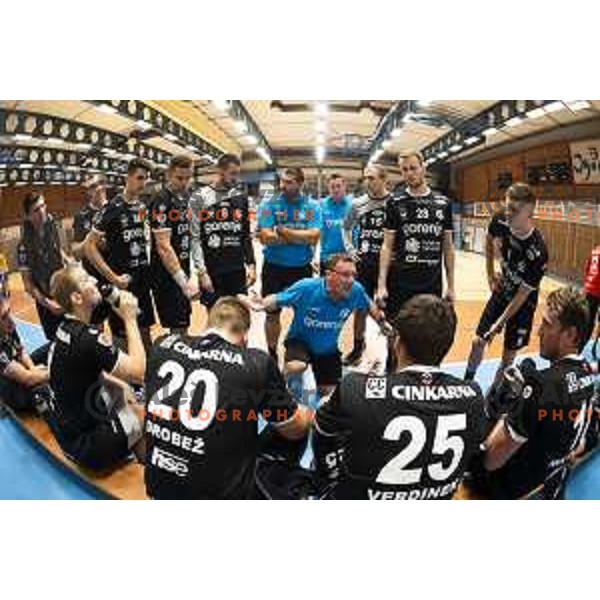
<point x="229" y="313"/>
<point x="64" y="283"/>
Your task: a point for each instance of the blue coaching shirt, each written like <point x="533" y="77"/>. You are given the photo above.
<point x="317" y="318"/>
<point x="332" y="236"/>
<point x="301" y="214"/>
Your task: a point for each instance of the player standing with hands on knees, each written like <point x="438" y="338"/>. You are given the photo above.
<point x="515" y="290"/>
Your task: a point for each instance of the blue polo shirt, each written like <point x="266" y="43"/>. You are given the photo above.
<point x="332" y="230"/>
<point x="318" y="320"/>
<point x="300" y="214"/>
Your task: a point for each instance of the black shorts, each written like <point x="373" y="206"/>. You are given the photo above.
<point x="399" y="292"/>
<point x="276" y="278"/>
<point x="146" y="315"/>
<point x="225" y="284"/>
<point x="108" y="444"/>
<point x="518" y="328"/>
<point x="367" y="274"/>
<point x="172" y="305"/>
<point x="327" y="368"/>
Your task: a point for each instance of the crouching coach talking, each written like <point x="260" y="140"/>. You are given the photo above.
<point x="95" y="421"/>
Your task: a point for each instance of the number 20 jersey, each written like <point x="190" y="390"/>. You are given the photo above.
<point x="408" y="436"/>
<point x="203" y="398"/>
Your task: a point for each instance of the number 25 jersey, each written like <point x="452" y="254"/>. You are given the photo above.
<point x="408" y="436"/>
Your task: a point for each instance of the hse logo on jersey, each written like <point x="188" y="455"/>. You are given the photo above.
<point x="169" y="462"/>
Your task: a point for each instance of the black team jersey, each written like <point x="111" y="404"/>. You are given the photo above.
<point x="78" y="356"/>
<point x="420" y="223"/>
<point x="555" y="411"/>
<point x="203" y="398"/>
<point x="82" y="225"/>
<point x="124" y="225"/>
<point x="366" y="220"/>
<point x="170" y="212"/>
<point x="523" y="260"/>
<point x="410" y="435"/>
<point x="221" y="224"/>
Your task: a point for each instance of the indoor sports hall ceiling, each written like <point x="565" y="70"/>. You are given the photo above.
<point x="315" y="134"/>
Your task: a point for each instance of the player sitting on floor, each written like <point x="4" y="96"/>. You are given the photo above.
<point x="535" y="441"/>
<point x="23" y="378"/>
<point x="95" y="422"/>
<point x="411" y="434"/>
<point x="204" y="394"/>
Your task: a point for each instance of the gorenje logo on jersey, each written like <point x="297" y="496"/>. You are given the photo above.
<point x="169" y="462"/>
<point x="428" y="393"/>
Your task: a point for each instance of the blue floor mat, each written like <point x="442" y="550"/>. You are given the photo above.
<point x="27" y="473"/>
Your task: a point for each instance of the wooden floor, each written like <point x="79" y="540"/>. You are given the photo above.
<point x="127" y="481"/>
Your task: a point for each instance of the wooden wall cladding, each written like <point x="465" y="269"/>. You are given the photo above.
<point x="569" y="242"/>
<point x="62" y="200"/>
<point x="474" y="181"/>
<point x="569" y="246"/>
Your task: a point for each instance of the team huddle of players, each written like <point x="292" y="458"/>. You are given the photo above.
<point x="222" y="420"/>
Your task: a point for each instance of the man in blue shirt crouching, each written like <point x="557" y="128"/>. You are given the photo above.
<point x="321" y="307"/>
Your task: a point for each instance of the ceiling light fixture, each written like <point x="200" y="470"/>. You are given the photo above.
<point x="222" y="105"/>
<point x="106" y="108"/>
<point x="554" y="106"/>
<point x="514" y="122"/>
<point x="321" y="108"/>
<point x="536" y="113"/>
<point x="143" y="125"/>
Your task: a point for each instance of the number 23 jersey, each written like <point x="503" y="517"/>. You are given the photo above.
<point x="408" y="436"/>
